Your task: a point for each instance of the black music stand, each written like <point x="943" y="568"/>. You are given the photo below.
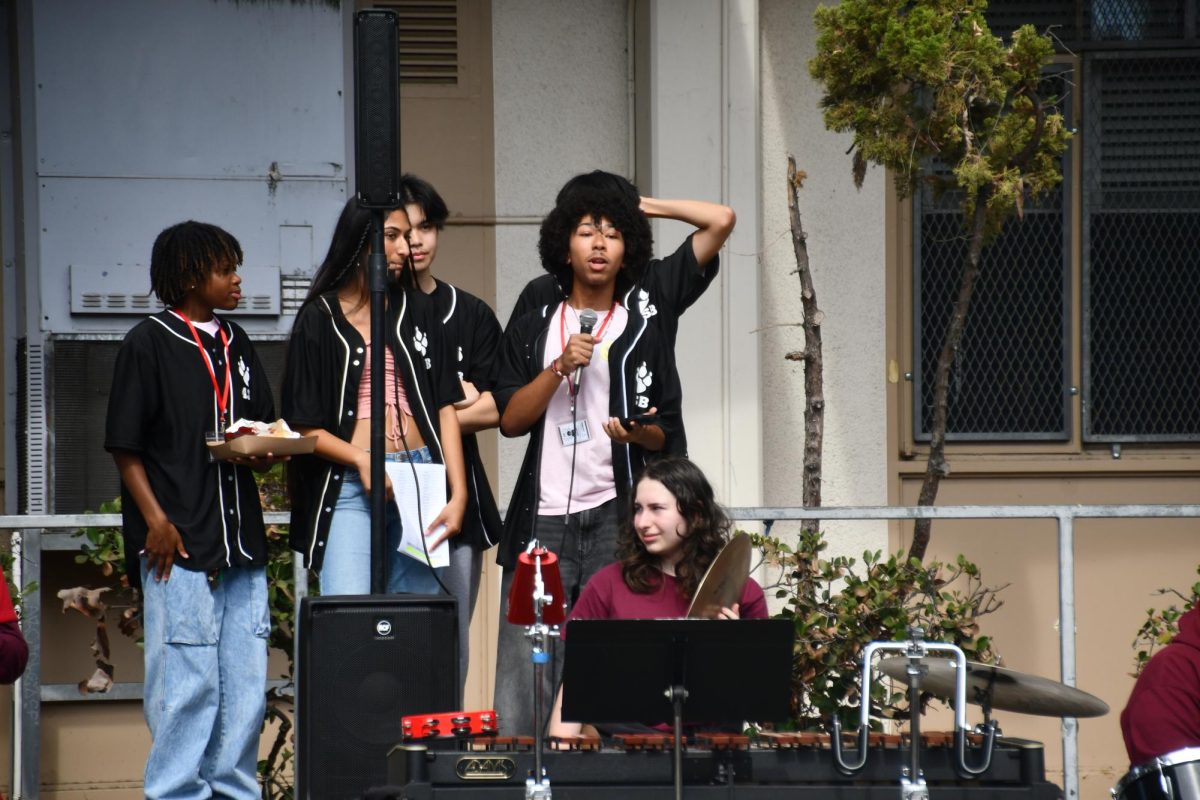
<point x="653" y="670"/>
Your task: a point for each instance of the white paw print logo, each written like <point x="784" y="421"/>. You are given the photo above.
<point x="460" y="352"/>
<point x="420" y="341"/>
<point x="647" y="308"/>
<point x="244" y="371"/>
<point x="644" y="378"/>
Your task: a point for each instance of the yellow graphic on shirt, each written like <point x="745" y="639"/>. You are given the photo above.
<point x="604" y="348"/>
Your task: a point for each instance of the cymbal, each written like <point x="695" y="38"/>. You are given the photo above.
<point x="724" y="581"/>
<point x="997" y="687"/>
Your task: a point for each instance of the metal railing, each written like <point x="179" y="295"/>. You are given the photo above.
<point x="35" y="534"/>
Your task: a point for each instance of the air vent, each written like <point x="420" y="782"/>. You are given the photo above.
<point x="428" y="40"/>
<point x="294" y="289"/>
<point x="31" y="427"/>
<point x="124" y="290"/>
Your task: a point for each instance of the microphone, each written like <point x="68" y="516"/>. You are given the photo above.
<point x="587" y="321"/>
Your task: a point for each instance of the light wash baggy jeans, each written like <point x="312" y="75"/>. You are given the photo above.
<point x="205" y="684"/>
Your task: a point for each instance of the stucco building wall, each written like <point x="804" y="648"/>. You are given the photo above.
<point x="846" y="249"/>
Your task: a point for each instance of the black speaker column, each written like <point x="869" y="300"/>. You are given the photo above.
<point x="377" y="108"/>
<point x="364" y="663"/>
<point x="377" y="176"/>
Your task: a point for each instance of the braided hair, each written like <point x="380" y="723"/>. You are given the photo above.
<point x="707" y="531"/>
<point x="347" y="255"/>
<point x="184" y="255"/>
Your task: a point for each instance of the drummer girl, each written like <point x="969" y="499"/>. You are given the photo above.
<point x="674" y="531"/>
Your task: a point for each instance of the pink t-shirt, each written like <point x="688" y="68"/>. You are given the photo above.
<point x="594" y="483"/>
<point x="607" y="597"/>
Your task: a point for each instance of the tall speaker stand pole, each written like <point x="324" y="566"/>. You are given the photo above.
<point x="377" y="275"/>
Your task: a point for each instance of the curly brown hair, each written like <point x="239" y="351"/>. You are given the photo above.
<point x="707" y="532"/>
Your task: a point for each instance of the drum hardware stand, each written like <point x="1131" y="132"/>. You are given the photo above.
<point x="537" y="786"/>
<point x="678" y="694"/>
<point x="912" y="780"/>
<point x="983" y="698"/>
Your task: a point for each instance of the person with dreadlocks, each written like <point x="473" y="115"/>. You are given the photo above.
<point x="193" y="527"/>
<point x="327" y="393"/>
<point x="576" y="392"/>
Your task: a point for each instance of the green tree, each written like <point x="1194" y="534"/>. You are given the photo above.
<point x="919" y="82"/>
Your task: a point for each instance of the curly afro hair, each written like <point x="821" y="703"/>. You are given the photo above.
<point x="596" y="195"/>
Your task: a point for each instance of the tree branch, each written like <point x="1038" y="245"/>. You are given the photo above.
<point x="937" y="467"/>
<point x="814" y="393"/>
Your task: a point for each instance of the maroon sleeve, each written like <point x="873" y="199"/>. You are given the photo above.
<point x="1163" y="712"/>
<point x="7" y="612"/>
<point x="753" y="604"/>
<point x="14" y="653"/>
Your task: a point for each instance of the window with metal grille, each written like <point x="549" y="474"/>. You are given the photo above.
<point x="1083" y="24"/>
<point x="428" y="40"/>
<point x="1139" y="180"/>
<point x="1009" y="378"/>
<point x="1141" y="223"/>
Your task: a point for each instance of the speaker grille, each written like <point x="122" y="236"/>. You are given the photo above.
<point x="364" y="663"/>
<point x="377" y="108"/>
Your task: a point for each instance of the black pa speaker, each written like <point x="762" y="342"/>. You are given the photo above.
<point x="377" y="108"/>
<point x="364" y="663"/>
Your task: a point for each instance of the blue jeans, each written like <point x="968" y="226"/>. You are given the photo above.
<point x="205" y="685"/>
<point x="347" y="565"/>
<point x="585" y="544"/>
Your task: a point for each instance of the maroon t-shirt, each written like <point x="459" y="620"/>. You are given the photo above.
<point x="1163" y="712"/>
<point x="607" y="597"/>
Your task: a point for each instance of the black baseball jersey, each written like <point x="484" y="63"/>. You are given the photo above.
<point x="161" y="406"/>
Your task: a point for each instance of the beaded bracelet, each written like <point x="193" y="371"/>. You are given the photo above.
<point x="554" y="368"/>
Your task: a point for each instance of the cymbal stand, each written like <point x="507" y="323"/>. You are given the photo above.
<point x="912" y="780"/>
<point x="537" y="786"/>
<point x="677" y="694"/>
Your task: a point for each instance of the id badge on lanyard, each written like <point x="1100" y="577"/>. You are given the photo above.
<point x="222" y="394"/>
<point x="571" y="434"/>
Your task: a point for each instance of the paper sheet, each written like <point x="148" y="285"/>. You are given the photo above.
<point x="431" y="488"/>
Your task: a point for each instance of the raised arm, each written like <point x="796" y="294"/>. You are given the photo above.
<point x="713" y="221"/>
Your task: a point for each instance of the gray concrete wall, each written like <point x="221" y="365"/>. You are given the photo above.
<point x="704" y="144"/>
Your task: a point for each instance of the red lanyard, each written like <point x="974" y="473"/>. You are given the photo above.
<point x="221" y="394"/>
<point x="598" y="335"/>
